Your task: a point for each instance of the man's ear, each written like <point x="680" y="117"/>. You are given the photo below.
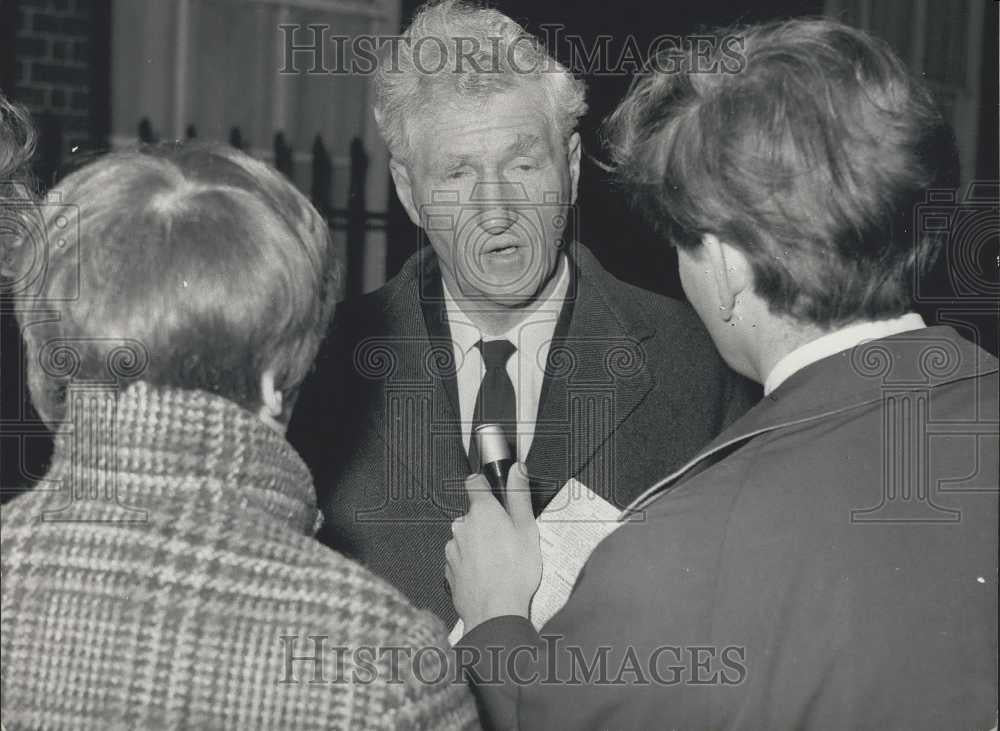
<point x="573" y="149"/>
<point x="404" y="189"/>
<point x="730" y="270"/>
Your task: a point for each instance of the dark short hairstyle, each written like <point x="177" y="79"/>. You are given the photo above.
<point x="806" y="144"/>
<point x="207" y="264"/>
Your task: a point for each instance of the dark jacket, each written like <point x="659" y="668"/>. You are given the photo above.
<point x="838" y="569"/>
<point x="634" y="388"/>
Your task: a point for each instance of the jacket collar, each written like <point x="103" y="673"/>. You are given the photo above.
<point x="149" y="445"/>
<point x="839" y="340"/>
<point x="914" y="360"/>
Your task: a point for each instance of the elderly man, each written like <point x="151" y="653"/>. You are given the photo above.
<point x="501" y="320"/>
<point x="830" y="560"/>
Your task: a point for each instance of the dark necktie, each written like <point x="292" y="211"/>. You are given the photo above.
<point x="496" y="402"/>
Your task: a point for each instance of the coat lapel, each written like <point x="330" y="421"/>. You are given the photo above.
<point x="596" y="376"/>
<point x="415" y="407"/>
<point x="436" y="322"/>
<point x="449" y="448"/>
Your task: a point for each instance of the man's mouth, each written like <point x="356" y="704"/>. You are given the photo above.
<point x="500" y="250"/>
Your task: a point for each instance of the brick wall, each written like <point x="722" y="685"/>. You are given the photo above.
<point x="59" y="70"/>
<point x="58" y="74"/>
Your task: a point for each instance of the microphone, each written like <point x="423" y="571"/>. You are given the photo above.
<point x="495" y="459"/>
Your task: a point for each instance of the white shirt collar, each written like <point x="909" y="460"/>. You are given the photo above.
<point x="837" y="341"/>
<point x="532" y="337"/>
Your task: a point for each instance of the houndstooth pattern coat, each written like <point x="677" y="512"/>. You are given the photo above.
<point x="164" y="575"/>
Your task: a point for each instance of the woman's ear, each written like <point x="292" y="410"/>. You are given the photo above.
<point x="730" y="270"/>
<point x="271" y="403"/>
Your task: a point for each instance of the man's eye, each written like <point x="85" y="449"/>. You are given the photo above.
<point x="455" y="174"/>
<point x="524" y="165"/>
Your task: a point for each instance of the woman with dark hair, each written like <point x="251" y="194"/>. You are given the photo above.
<point x="163" y="572"/>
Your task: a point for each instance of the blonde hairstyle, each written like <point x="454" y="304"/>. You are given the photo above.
<point x="191" y="266"/>
<point x="454" y="50"/>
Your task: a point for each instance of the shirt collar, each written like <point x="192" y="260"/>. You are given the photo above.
<point x="837" y="341"/>
<point x="465" y="334"/>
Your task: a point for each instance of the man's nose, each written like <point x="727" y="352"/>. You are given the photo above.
<point x="496" y="219"/>
<point x="495" y="202"/>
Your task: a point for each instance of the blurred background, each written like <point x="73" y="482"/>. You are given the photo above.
<point x="104" y="74"/>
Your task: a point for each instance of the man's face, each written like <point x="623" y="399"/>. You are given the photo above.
<point x="490" y="181"/>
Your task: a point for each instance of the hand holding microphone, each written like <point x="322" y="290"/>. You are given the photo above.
<point x="495" y="458"/>
<point x="494" y="560"/>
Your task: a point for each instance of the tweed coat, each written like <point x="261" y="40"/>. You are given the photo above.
<point x="163" y="574"/>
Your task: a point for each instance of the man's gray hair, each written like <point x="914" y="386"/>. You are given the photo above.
<point x="455" y="50"/>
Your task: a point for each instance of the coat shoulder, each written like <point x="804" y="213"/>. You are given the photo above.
<point x="673" y="320"/>
<point x="666" y="314"/>
<point x="399" y="292"/>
